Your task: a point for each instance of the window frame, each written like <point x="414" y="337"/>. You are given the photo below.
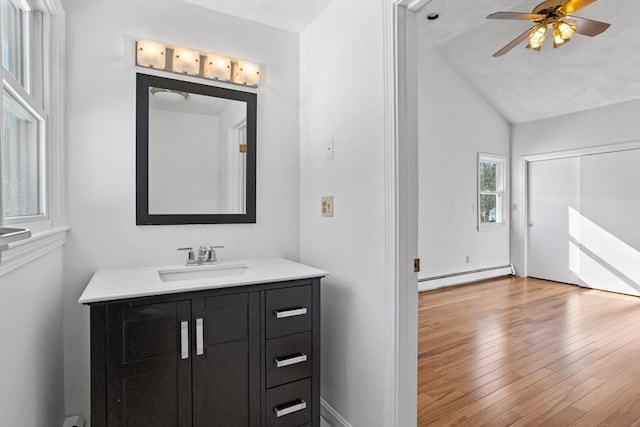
<point x="39" y="115"/>
<point x="40" y="93"/>
<point x="500" y="192"/>
<point x="44" y="90"/>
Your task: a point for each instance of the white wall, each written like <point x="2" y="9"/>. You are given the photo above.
<point x="182" y="171"/>
<point x="342" y="98"/>
<point x="31" y="355"/>
<point x="101" y="151"/>
<point x="455" y="123"/>
<point x="591" y="128"/>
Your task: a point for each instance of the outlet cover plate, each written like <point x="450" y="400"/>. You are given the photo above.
<point x="327" y="205"/>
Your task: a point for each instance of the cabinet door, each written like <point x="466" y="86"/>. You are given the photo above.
<point x="149" y="381"/>
<point x="226" y="364"/>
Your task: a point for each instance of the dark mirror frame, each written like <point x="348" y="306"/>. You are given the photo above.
<point x="143" y="217"/>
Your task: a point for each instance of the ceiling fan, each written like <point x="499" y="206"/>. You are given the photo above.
<point x="557" y="14"/>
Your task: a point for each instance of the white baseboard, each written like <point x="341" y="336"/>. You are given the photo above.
<point x="332" y="416"/>
<point x="431" y="283"/>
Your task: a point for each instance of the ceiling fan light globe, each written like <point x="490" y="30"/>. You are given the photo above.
<point x="565" y="30"/>
<point x="558" y="40"/>
<point x="536" y="37"/>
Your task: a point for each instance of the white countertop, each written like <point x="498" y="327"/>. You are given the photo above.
<point x="108" y="285"/>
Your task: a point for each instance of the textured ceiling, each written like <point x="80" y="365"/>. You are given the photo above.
<point x="525" y="85"/>
<point x="290" y="15"/>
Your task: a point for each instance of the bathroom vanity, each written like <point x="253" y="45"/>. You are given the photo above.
<point x="232" y="344"/>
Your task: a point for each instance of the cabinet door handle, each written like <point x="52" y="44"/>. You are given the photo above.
<point x="199" y="336"/>
<point x="289" y="408"/>
<point x="184" y="339"/>
<point x="281" y="314"/>
<point x="281" y="362"/>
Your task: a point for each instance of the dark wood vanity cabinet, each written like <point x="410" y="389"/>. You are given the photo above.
<point x="232" y="357"/>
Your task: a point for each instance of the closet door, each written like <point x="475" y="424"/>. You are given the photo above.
<point x="553" y="197"/>
<point x="608" y="240"/>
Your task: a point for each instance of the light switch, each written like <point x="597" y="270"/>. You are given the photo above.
<point x="328" y="149"/>
<point x="327" y="205"/>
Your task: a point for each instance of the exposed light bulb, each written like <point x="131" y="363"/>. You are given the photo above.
<point x="536" y="37"/>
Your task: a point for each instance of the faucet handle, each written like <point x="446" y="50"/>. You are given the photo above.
<point x="208" y="253"/>
<point x="191" y="256"/>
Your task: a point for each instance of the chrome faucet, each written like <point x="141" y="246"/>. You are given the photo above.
<point x="206" y="255"/>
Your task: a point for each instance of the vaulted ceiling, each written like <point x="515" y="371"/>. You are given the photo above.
<point x="522" y="85"/>
<point x="526" y="85"/>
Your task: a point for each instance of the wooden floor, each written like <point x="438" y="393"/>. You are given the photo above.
<point x="527" y="352"/>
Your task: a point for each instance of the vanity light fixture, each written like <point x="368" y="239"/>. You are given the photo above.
<point x="217" y="67"/>
<point x="151" y="54"/>
<point x="211" y="66"/>
<point x="186" y="61"/>
<point x="248" y="73"/>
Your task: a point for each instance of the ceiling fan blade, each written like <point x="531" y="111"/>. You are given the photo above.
<point x="587" y="27"/>
<point x="574" y="5"/>
<point x="514" y="42"/>
<point x="517" y="15"/>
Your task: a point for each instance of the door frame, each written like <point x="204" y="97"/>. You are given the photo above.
<point x="524" y="214"/>
<point x="400" y="337"/>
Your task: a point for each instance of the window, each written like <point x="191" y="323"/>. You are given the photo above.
<point x="23" y="160"/>
<point x="29" y="94"/>
<point x="491" y="184"/>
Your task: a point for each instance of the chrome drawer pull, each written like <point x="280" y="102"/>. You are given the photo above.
<point x="281" y="362"/>
<point x="199" y="336"/>
<point x="299" y="405"/>
<point x="281" y="314"/>
<point x="184" y="339"/>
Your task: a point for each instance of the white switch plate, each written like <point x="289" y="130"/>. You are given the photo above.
<point x="327" y="205"/>
<point x="328" y="149"/>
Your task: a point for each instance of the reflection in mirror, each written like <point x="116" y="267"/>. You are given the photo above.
<point x="196" y="152"/>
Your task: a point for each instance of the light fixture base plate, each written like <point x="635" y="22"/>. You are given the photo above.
<point x="548" y="6"/>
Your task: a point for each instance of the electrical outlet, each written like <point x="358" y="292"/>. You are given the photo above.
<point x="327" y="205"/>
<point x="467" y="259"/>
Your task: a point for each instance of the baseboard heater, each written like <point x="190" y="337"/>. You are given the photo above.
<point x="435" y="282"/>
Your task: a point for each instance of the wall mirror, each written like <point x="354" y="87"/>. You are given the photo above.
<point x="195" y="153"/>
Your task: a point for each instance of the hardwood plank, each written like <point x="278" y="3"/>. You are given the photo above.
<point x="522" y="351"/>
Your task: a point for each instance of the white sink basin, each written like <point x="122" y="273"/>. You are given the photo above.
<point x="204" y="272"/>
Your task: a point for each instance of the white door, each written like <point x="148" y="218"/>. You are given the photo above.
<point x="553" y="192"/>
<point x="609" y="222"/>
<point x="584" y="221"/>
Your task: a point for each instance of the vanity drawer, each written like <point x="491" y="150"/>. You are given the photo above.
<point x="289" y="405"/>
<point x="289" y="359"/>
<point x="288" y="311"/>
